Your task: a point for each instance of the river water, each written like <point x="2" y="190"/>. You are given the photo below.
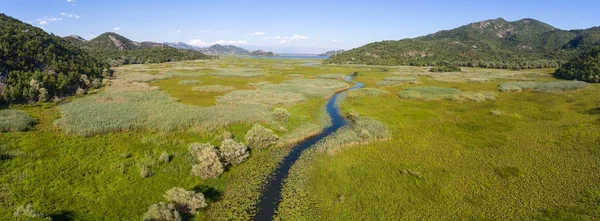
<point x="271" y="196"/>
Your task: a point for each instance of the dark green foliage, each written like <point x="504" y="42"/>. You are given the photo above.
<point x="585" y="67"/>
<point x="35" y="62"/>
<point x="522" y="44"/>
<point x="447" y="68"/>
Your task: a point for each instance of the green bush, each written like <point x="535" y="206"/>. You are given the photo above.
<point x="162" y="212"/>
<point x="13" y="120"/>
<point x="233" y="152"/>
<point x="281" y="115"/>
<point x="208" y="164"/>
<point x="165" y="157"/>
<point x="27" y="212"/>
<point x="185" y="201"/>
<point x="260" y="137"/>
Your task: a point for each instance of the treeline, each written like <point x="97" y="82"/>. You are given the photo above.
<point x="147" y="55"/>
<point x="528" y="64"/>
<point x="36" y="66"/>
<point x="585" y="67"/>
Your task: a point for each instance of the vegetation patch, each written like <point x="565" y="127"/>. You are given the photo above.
<point x="366" y="92"/>
<point x="332" y="76"/>
<point x="543" y="87"/>
<point x="189" y="82"/>
<point x="585" y="67"/>
<point x="238" y="72"/>
<point x="296" y="197"/>
<point x="217" y="88"/>
<point x="387" y="83"/>
<point x="445" y="69"/>
<point x="13" y="120"/>
<point x="440" y="93"/>
<point x="259" y="84"/>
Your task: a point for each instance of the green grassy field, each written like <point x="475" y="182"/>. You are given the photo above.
<point x="522" y="155"/>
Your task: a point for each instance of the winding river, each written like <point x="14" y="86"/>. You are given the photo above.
<point x="271" y="196"/>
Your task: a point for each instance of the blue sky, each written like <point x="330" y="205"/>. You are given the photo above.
<point x="286" y="26"/>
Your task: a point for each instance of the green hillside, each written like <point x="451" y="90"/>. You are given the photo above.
<point x="37" y="66"/>
<point x="497" y="43"/>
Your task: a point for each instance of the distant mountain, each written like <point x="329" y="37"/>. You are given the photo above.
<point x="224" y="50"/>
<point x="36" y="66"/>
<point x="332" y="53"/>
<point x="525" y="43"/>
<point x="118" y="50"/>
<point x="181" y="45"/>
<point x="262" y="53"/>
<point x="212" y="50"/>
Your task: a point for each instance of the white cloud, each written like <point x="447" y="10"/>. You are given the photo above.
<point x="70" y="15"/>
<point x="287" y="39"/>
<point x="334" y="40"/>
<point x="116" y="28"/>
<point x="178" y="32"/>
<point x="257" y="33"/>
<point x="197" y="42"/>
<point x="71" y="1"/>
<point x="47" y="20"/>
<point x="238" y="42"/>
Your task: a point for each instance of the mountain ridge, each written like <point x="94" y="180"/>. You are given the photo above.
<point x="524" y="43"/>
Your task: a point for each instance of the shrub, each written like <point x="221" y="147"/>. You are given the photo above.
<point x="207" y="160"/>
<point x="145" y="171"/>
<point x="260" y="137"/>
<point x="185" y="201"/>
<point x="281" y="115"/>
<point x="189" y="82"/>
<point x="165" y="157"/>
<point x="445" y="69"/>
<point x="162" y="212"/>
<point x="226" y="135"/>
<point x="80" y="92"/>
<point x="440" y="93"/>
<point x="27" y="212"/>
<point x="213" y="88"/>
<point x="233" y="152"/>
<point x="43" y="95"/>
<point x="13" y="120"/>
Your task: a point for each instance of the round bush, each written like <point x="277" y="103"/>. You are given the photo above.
<point x="185" y="201"/>
<point x="260" y="137"/>
<point x="233" y="152"/>
<point x="208" y="163"/>
<point x="281" y="115"/>
<point x="162" y="212"/>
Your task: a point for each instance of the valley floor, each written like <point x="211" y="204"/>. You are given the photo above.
<point x="459" y="148"/>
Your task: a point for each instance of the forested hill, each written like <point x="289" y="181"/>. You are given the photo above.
<point x="118" y="50"/>
<point x="525" y="43"/>
<point x="37" y="66"/>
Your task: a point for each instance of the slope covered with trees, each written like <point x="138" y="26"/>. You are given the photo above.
<point x="119" y="50"/>
<point x="497" y="43"/>
<point x="585" y="67"/>
<point x="36" y="66"/>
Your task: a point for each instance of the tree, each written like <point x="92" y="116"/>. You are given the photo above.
<point x="208" y="164"/>
<point x="585" y="67"/>
<point x="162" y="212"/>
<point x="233" y="152"/>
<point x="185" y="201"/>
<point x="260" y="137"/>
